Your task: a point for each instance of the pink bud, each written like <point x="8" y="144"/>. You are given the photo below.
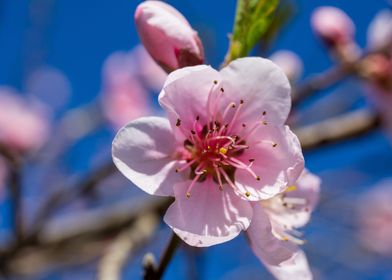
<point x="379" y="33"/>
<point x="167" y="36"/>
<point x="333" y="25"/>
<point x="289" y="62"/>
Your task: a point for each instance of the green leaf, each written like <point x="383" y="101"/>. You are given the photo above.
<point x="253" y="18"/>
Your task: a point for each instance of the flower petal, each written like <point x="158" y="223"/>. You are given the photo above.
<point x="278" y="162"/>
<point x="209" y="216"/>
<point x="307" y="189"/>
<point x="262" y="86"/>
<point x="142" y="151"/>
<point x="268" y="248"/>
<point x="185" y="95"/>
<point x="296" y="267"/>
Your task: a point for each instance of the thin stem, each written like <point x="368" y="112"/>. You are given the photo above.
<point x="155" y="273"/>
<point x="167" y="255"/>
<point x="14" y="165"/>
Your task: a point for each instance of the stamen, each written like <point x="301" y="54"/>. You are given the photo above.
<point x="218" y="175"/>
<point x="182" y="168"/>
<point x="233" y="120"/>
<point x="227" y="178"/>
<point x="178" y="123"/>
<point x="188" y="192"/>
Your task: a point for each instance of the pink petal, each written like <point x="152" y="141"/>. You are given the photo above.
<point x="278" y="167"/>
<point x="268" y="248"/>
<point x="143" y="151"/>
<point x="185" y="95"/>
<point x="261" y="85"/>
<point x="209" y="216"/>
<point x="308" y="189"/>
<point x="296" y="267"/>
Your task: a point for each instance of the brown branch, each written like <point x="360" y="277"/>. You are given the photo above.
<point x="334" y="129"/>
<point x="75" y="240"/>
<point x="124" y="245"/>
<point x="156" y="274"/>
<point x="67" y="194"/>
<point x="14" y="163"/>
<point x="321" y="81"/>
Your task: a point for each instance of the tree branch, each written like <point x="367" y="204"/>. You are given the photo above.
<point x="337" y="128"/>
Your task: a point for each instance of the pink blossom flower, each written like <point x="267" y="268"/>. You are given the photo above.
<point x="167" y="36"/>
<point x="375" y="216"/>
<point x="124" y="98"/>
<point x="379" y="33"/>
<point x="289" y="62"/>
<point x="333" y="25"/>
<point x="272" y="232"/>
<point x="151" y="73"/>
<point x="223" y="146"/>
<point x="24" y="125"/>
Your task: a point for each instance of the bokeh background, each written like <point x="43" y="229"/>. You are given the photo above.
<point x="70" y="40"/>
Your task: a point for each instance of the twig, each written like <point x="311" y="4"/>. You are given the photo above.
<point x="337" y="128"/>
<point x="156" y="274"/>
<point x="14" y="164"/>
<point x="70" y="240"/>
<point x="320" y="82"/>
<point x="67" y="194"/>
<point x="124" y="245"/>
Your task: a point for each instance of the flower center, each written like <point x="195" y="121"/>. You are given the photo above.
<point x="213" y="148"/>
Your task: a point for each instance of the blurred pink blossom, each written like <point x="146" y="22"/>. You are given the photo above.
<point x="272" y="233"/>
<point x="375" y="216"/>
<point x="123" y="97"/>
<point x="379" y="33"/>
<point x="289" y="62"/>
<point x="333" y="25"/>
<point x="167" y="36"/>
<point x="24" y="125"/>
<point x="223" y="146"/>
<point x="151" y="73"/>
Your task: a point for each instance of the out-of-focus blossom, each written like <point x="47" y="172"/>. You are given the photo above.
<point x="123" y="97"/>
<point x="337" y="30"/>
<point x="223" y="146"/>
<point x="379" y="33"/>
<point x="289" y="62"/>
<point x="332" y="25"/>
<point x="24" y="126"/>
<point x="272" y="233"/>
<point x="168" y="36"/>
<point x="374" y="217"/>
<point x="50" y="86"/>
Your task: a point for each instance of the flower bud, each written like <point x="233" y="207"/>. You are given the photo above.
<point x="289" y="62"/>
<point x="167" y="36"/>
<point x="379" y="33"/>
<point x="333" y="26"/>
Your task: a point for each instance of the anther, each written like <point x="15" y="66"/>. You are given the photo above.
<point x="243" y="125"/>
<point x="233" y="106"/>
<point x="177" y="170"/>
<point x="178" y="123"/>
<point x="222" y="90"/>
<point x="241" y="101"/>
<point x="274" y="145"/>
<point x="188" y="194"/>
<point x="264" y="122"/>
<point x="264" y="113"/>
<point x="247" y="194"/>
<point x="258" y="178"/>
<point x="251" y="160"/>
<point x="193" y="132"/>
<point x="197" y="118"/>
<point x="223" y="150"/>
<point x="215" y="81"/>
